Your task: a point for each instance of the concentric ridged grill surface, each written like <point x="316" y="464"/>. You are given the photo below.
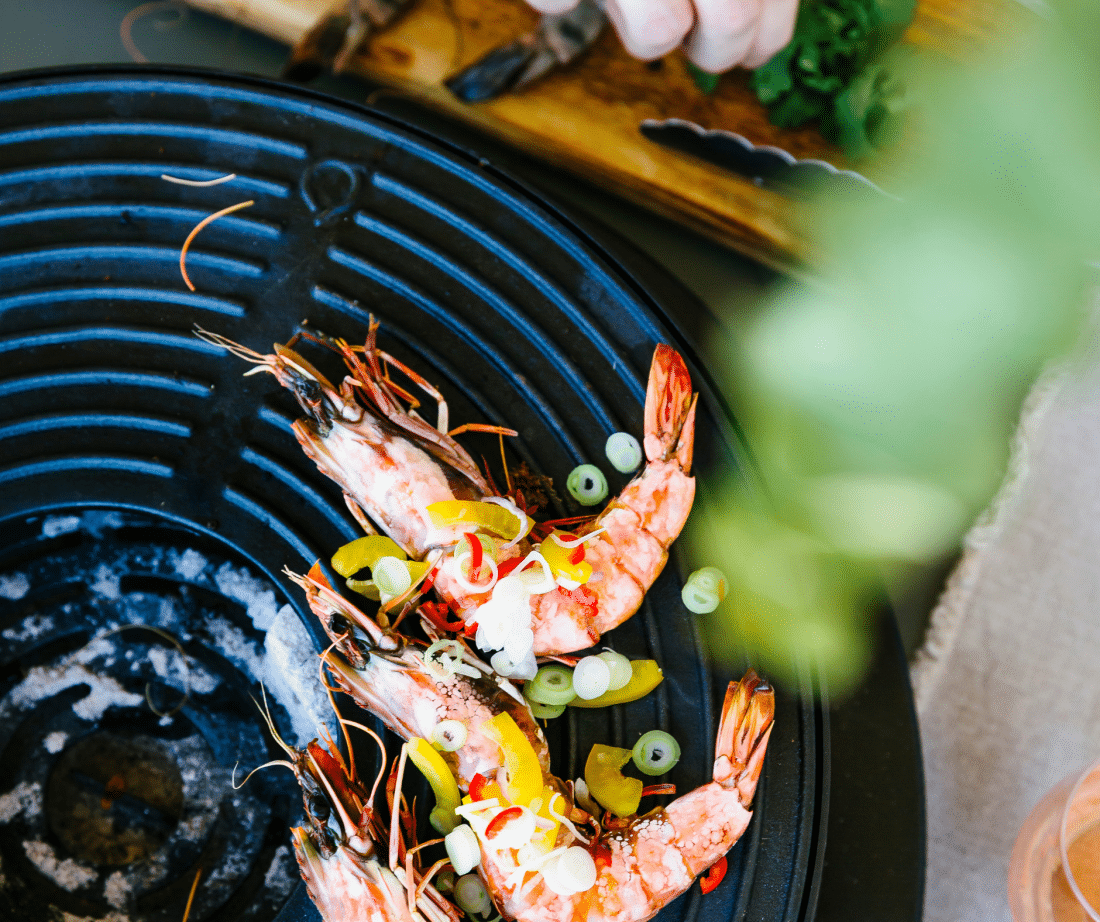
<point x="107" y="398"/>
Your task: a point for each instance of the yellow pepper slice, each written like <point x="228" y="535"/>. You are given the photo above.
<point x="444" y="786"/>
<point x="488" y="516"/>
<point x="610" y="787"/>
<point x="521" y="764"/>
<point x="558" y="558"/>
<point x="646" y="676"/>
<point x="417" y="569"/>
<point x="544" y="840"/>
<point x="364" y="553"/>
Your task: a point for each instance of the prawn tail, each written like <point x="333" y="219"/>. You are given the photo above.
<point x="669" y="409"/>
<point x="748" y="715"/>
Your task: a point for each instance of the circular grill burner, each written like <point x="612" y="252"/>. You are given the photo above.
<point x="151" y="496"/>
<point x="131" y="650"/>
<point x="114" y="799"/>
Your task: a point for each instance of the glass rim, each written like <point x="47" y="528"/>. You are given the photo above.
<point x="1064" y="847"/>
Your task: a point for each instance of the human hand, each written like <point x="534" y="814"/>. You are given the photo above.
<point x="716" y="34"/>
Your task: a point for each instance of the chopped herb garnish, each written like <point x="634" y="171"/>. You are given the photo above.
<point x="839" y="68"/>
<point x="705" y="80"/>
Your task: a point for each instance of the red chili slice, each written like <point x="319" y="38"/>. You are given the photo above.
<point x="475" y="555"/>
<point x="714" y="875"/>
<point x="601" y="855"/>
<point x="470" y="629"/>
<point x="477" y="785"/>
<point x="440" y="615"/>
<point x="498" y="822"/>
<point x="654" y="789"/>
<point x="429" y="580"/>
<point x="578" y="555"/>
<point x="508" y="566"/>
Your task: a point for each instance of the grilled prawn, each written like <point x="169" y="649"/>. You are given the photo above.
<point x="341" y="850"/>
<point x="387" y="674"/>
<point x="393" y="466"/>
<point x="646" y="862"/>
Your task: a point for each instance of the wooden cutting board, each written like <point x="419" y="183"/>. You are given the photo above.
<point x="586" y="117"/>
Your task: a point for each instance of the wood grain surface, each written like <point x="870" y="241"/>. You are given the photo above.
<point x="585" y="118"/>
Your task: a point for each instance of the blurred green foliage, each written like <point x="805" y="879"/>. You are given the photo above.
<point x="881" y="398"/>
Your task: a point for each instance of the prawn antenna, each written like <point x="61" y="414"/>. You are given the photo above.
<point x="265" y="711"/>
<point x="332" y="702"/>
<point x="242" y="352"/>
<point x="381" y="748"/>
<point x="237" y="787"/>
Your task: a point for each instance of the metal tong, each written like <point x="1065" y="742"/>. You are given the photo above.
<point x="556" y="40"/>
<point x="332" y="42"/>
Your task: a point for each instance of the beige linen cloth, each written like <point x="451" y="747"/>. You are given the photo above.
<point x="1008" y="681"/>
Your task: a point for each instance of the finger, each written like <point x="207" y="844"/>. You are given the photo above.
<point x="724" y="32"/>
<point x="553" y="7"/>
<point x="650" y="28"/>
<point x="777" y="18"/>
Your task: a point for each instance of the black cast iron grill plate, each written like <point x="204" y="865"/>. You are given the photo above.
<point x="109" y="402"/>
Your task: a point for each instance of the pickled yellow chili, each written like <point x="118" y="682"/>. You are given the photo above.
<point x="645" y="676"/>
<point x="566" y="561"/>
<point x="491" y="517"/>
<point x="611" y="789"/>
<point x="439" y="775"/>
<point x="521" y="764"/>
<point x="364" y="553"/>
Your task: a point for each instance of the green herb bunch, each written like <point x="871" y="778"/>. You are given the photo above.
<point x="840" y="69"/>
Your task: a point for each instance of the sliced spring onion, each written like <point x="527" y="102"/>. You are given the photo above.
<point x="442" y="781"/>
<point x="444" y="659"/>
<point x="501" y="665"/>
<point x="656" y="752"/>
<point x="463" y="849"/>
<point x="606" y="783"/>
<point x="646" y="675"/>
<point x="475" y="807"/>
<point x="542" y="711"/>
<point x="566" y="541"/>
<point x="511" y="590"/>
<point x="488" y="548"/>
<point x="624" y="452"/>
<point x="536" y="582"/>
<point x="391" y="576"/>
<point x="483" y="583"/>
<point x="519" y="642"/>
<point x="591" y="678"/>
<point x="445" y="881"/>
<point x="552" y="684"/>
<point x="552" y="877"/>
<point x="574" y="868"/>
<point x="621" y="673"/>
<point x="495" y="621"/>
<point x="587" y="484"/>
<point x="524" y="670"/>
<point x="363" y="553"/>
<point x="471" y="895"/>
<point x="449" y="735"/>
<point x="703" y="590"/>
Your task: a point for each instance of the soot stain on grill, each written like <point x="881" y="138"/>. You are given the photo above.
<point x="118" y="743"/>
